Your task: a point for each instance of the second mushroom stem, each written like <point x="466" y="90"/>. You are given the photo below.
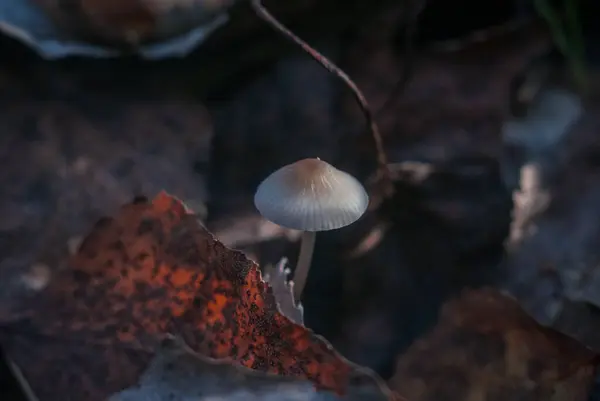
<point x="303" y="266"/>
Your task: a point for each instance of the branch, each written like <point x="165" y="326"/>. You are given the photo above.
<point x="383" y="175"/>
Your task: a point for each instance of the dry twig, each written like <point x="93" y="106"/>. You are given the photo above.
<point x="383" y="176"/>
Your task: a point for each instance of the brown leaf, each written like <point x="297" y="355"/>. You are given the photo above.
<point x="87" y="371"/>
<point x="455" y="102"/>
<point x="150" y="271"/>
<point x="486" y="348"/>
<point x="131" y="21"/>
<point x="88" y="152"/>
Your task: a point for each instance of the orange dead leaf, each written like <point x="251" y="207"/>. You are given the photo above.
<point x="151" y="271"/>
<point x="486" y="348"/>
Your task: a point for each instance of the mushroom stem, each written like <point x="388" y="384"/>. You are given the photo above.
<point x="303" y="266"/>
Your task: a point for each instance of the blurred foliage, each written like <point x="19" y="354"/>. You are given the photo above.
<point x="568" y="36"/>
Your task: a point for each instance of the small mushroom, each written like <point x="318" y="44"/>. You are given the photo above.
<point x="310" y="195"/>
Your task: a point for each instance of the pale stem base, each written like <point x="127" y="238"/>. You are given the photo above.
<point x="301" y="273"/>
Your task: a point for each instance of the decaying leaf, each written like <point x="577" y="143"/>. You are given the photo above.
<point x="456" y="100"/>
<point x="132" y="21"/>
<point x="486" y="348"/>
<point x="552" y="263"/>
<point x="87" y="153"/>
<point x="60" y="29"/>
<point x="179" y="374"/>
<point x="153" y="270"/>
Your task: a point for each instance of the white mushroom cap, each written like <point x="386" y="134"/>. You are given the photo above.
<point x="311" y="195"/>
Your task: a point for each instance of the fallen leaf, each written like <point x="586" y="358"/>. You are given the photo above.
<point x="55" y="33"/>
<point x="486" y="348"/>
<point x="87" y="153"/>
<point x="455" y="102"/>
<point x="552" y="253"/>
<point x="151" y="271"/>
<point x="178" y="374"/>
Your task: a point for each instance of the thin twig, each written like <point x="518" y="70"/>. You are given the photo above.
<point x="18" y="375"/>
<point x="383" y="173"/>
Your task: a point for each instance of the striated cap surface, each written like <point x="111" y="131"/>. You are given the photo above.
<point x="311" y="195"/>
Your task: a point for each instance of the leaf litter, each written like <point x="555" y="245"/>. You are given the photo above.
<point x="57" y="30"/>
<point x="83" y="335"/>
<point x="552" y="263"/>
<point x="485" y="347"/>
<point x="150" y="272"/>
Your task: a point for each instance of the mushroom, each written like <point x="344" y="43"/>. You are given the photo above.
<point x="310" y="195"/>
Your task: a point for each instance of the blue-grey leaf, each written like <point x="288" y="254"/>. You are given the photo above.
<point x="178" y="374"/>
<point x="28" y="23"/>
